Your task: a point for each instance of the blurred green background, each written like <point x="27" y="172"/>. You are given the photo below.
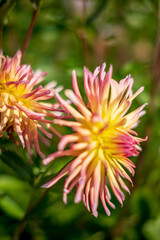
<point x="69" y="34"/>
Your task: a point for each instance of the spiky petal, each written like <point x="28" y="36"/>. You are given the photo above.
<point x="21" y="108"/>
<point x="102" y="141"/>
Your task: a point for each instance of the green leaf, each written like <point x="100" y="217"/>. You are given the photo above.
<point x="10" y="183"/>
<point x="151" y="229"/>
<point x="10" y="207"/>
<point x="18" y="164"/>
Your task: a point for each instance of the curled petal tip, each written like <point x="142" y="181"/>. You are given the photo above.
<point x="113" y="206"/>
<point x="45" y="185"/>
<point x="95" y="213"/>
<point x="84" y="68"/>
<point x="103" y="65"/>
<point x="19" y="53"/>
<point x="146" y="138"/>
<point x="65" y="192"/>
<point x="73" y="72"/>
<point x="68" y="93"/>
<point x="77" y="198"/>
<point x="65" y="200"/>
<point x="111" y="68"/>
<point x="47" y="160"/>
<point x="109" y="213"/>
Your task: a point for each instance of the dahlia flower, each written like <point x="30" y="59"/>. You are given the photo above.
<point x="102" y="141"/>
<point x="21" y="109"/>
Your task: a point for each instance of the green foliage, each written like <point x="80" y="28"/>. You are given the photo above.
<point x="6" y="7"/>
<point x="10" y="183"/>
<point x="69" y="34"/>
<point x="151" y="229"/>
<point x="23" y="169"/>
<point x="11" y="208"/>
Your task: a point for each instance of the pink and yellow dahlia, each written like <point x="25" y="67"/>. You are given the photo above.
<point x="21" y="109"/>
<point x="102" y="141"/>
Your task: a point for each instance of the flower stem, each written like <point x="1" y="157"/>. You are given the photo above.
<point x="22" y="224"/>
<point x="1" y="36"/>
<point x="31" y="26"/>
<point x="30" y="208"/>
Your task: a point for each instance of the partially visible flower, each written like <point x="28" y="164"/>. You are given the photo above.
<point x="102" y="141"/>
<point x="21" y="109"/>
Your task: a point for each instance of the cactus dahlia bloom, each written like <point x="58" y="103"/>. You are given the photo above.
<point x="102" y="141"/>
<point x="21" y="109"/>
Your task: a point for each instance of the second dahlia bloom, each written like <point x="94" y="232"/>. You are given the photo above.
<point x="21" y="108"/>
<point x="102" y="141"/>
